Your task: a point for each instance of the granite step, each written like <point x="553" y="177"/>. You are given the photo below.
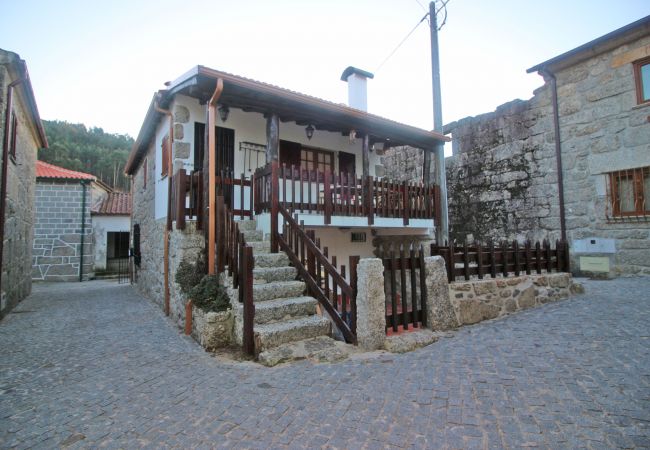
<point x="278" y="289"/>
<point x="260" y="246"/>
<point x="253" y="235"/>
<point x="284" y="309"/>
<point x="246" y="224"/>
<point x="270" y="274"/>
<point x="279" y="259"/>
<point x="278" y="333"/>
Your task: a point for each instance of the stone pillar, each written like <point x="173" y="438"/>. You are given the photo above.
<point x="371" y="304"/>
<point x="440" y="312"/>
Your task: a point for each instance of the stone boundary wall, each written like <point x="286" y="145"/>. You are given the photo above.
<point x="57" y="232"/>
<point x="19" y="208"/>
<point x="478" y="300"/>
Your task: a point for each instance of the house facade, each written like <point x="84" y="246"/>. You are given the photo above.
<point x="269" y="155"/>
<point x="111" y="219"/>
<point x="63" y="233"/>
<point x="572" y="162"/>
<point x="22" y="134"/>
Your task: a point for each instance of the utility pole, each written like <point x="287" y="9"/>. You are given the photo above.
<point x="440" y="178"/>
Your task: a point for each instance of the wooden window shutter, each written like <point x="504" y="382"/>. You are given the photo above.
<point x="165" y="156"/>
<point x="14" y="135"/>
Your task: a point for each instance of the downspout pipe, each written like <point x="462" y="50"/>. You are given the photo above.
<point x="212" y="171"/>
<point x="168" y="224"/>
<point x="5" y="162"/>
<point x="547" y="74"/>
<point x="83" y="229"/>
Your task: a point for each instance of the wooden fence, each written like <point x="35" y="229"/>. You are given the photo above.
<point x="187" y="198"/>
<point x="405" y="270"/>
<point x="505" y="259"/>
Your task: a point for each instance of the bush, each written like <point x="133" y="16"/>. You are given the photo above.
<point x="190" y="274"/>
<point x="209" y="295"/>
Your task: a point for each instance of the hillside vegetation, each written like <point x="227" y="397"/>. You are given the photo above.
<point x="89" y="150"/>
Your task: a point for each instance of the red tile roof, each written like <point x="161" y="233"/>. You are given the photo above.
<point x="45" y="170"/>
<point x="115" y="203"/>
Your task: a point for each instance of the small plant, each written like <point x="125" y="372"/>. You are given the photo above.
<point x="209" y="295"/>
<point x="189" y="274"/>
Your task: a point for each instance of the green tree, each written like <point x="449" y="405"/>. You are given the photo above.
<point x="94" y="151"/>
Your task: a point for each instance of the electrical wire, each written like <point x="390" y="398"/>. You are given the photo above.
<point x="401" y="43"/>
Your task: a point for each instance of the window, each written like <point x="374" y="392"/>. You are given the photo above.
<point x="165" y="156"/>
<point x="642" y="79"/>
<point x="321" y="160"/>
<point x="629" y="192"/>
<point x="13" y="136"/>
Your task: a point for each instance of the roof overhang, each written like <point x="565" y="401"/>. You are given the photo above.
<point x="254" y="96"/>
<point x="605" y="43"/>
<point x="19" y="69"/>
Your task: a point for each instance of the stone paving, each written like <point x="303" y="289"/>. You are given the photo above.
<point x="94" y="365"/>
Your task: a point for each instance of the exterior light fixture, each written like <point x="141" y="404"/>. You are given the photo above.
<point x="353" y="136"/>
<point x="223" y="112"/>
<point x="309" y="131"/>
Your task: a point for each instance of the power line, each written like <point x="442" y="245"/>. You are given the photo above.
<point x="421" y="5"/>
<point x="401" y="43"/>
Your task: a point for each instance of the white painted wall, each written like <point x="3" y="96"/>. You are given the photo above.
<point x="249" y="127"/>
<point x="101" y="226"/>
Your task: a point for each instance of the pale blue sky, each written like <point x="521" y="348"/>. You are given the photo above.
<point x="100" y="62"/>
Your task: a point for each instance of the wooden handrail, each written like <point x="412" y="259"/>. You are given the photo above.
<point x="306" y="261"/>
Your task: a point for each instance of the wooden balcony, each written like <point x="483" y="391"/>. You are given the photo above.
<point x="312" y="192"/>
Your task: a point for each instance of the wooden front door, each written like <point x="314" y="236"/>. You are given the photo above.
<point x="224" y="150"/>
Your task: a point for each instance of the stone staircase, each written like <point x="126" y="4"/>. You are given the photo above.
<point x="283" y="314"/>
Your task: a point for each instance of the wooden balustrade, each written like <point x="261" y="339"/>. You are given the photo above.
<point x="187" y="198"/>
<point x="342" y="194"/>
<point x="507" y="259"/>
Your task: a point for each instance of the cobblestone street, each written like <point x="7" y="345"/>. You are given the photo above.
<point x="96" y="365"/>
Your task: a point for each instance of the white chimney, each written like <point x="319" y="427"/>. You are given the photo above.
<point x="357" y="87"/>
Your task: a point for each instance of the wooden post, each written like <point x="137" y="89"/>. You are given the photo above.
<point x="212" y="172"/>
<point x="423" y="287"/>
<point x="515" y="247"/>
<point x="451" y="262"/>
<point x="406" y="201"/>
<point x="249" y="306"/>
<point x="426" y="167"/>
<point x="327" y="197"/>
<point x="354" y="262"/>
<point x="528" y="257"/>
<point x="368" y="195"/>
<point x="275" y="198"/>
<point x="493" y="262"/>
<point x="220" y="232"/>
<point x="180" y="199"/>
<point x="567" y="257"/>
<point x="479" y="260"/>
<point x="504" y="258"/>
<point x="272" y="137"/>
<point x="466" y="260"/>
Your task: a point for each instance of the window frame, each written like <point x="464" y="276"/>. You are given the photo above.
<point x="314" y="162"/>
<point x="638" y="80"/>
<point x="641" y="199"/>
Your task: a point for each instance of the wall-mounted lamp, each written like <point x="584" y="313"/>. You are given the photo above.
<point x="223" y="112"/>
<point x="309" y="131"/>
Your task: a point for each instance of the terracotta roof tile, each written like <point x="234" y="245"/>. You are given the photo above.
<point x="46" y="170"/>
<point x="115" y="203"/>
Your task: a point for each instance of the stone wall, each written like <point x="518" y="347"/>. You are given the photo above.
<point x="57" y="232"/>
<point x="149" y="276"/>
<point x="478" y="300"/>
<point x="502" y="179"/>
<point x="19" y="211"/>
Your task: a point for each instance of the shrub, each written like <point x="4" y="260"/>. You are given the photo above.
<point x="209" y="295"/>
<point x="190" y="274"/>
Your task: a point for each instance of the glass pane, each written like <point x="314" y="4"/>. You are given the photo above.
<point x="645" y="82"/>
<point x="626" y="194"/>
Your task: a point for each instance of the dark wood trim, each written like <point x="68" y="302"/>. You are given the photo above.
<point x="638" y="81"/>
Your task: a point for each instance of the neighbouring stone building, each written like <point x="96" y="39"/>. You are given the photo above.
<point x="63" y="232"/>
<point x="111" y="218"/>
<point x="22" y="134"/>
<point x="503" y="176"/>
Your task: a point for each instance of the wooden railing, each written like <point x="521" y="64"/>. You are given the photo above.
<point x="342" y="194"/>
<point x="187" y="198"/>
<point x="236" y="256"/>
<point x="225" y="184"/>
<point x="408" y="307"/>
<point x="324" y="282"/>
<point x="505" y="259"/>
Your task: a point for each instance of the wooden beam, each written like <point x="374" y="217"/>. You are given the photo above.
<point x="272" y="138"/>
<point x="212" y="171"/>
<point x="365" y="155"/>
<point x="426" y="168"/>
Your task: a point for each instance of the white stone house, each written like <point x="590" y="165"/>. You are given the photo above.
<point x="111" y="218"/>
<point x="22" y="134"/>
<point x="244" y="137"/>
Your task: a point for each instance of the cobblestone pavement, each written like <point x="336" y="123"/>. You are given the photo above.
<point x="96" y="365"/>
